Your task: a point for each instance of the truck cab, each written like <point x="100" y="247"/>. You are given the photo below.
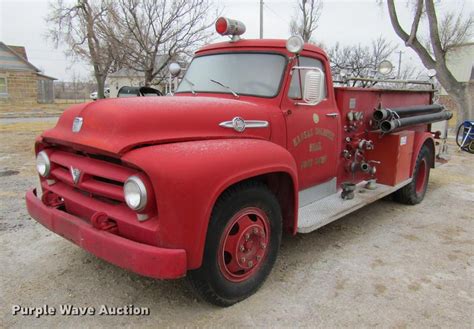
<point x="255" y="142"/>
<point x="264" y="73"/>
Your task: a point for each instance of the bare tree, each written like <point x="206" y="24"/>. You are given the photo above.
<point x="305" y="21"/>
<point x="158" y="31"/>
<point x="81" y="26"/>
<point x="359" y="61"/>
<point x="445" y="35"/>
<point x="411" y="72"/>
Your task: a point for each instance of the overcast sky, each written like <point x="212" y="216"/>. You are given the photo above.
<point x="345" y="21"/>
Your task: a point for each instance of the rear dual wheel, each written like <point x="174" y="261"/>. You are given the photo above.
<point x="242" y="242"/>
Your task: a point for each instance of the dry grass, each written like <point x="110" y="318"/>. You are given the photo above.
<point x="17" y="147"/>
<point x="19" y="128"/>
<point x="71" y="101"/>
<point x="28" y="110"/>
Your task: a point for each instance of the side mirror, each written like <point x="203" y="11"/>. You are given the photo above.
<point x="313" y="92"/>
<point x="174" y="69"/>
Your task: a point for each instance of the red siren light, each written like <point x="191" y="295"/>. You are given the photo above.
<point x="227" y="26"/>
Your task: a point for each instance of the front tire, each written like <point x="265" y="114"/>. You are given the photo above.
<point x="414" y="192"/>
<point x="242" y="243"/>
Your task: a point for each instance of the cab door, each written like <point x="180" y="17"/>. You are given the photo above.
<point x="312" y="130"/>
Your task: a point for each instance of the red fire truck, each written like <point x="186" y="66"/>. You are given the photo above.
<point x="255" y="142"/>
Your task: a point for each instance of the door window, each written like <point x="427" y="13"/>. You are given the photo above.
<point x="297" y="79"/>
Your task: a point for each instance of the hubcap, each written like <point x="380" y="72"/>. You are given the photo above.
<point x="243" y="246"/>
<point x="421" y="177"/>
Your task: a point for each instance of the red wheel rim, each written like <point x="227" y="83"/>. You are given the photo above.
<point x="421" y="177"/>
<point x="244" y="244"/>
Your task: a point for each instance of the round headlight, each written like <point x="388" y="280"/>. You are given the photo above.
<point x="295" y="44"/>
<point x="135" y="193"/>
<point x="43" y="166"/>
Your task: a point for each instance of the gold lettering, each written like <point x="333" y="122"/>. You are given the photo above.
<point x="324" y="133"/>
<point x="296" y="141"/>
<point x="302" y="136"/>
<point x="307" y="164"/>
<point x="314" y="147"/>
<point x="321" y="160"/>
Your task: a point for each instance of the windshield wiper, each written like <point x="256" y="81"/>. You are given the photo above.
<point x="226" y="87"/>
<point x="191" y="84"/>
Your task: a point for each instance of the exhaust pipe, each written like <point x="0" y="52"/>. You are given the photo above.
<point x="389" y="126"/>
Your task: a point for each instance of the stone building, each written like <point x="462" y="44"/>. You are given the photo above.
<point x="21" y="83"/>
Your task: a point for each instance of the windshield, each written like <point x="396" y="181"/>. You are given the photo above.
<point x="237" y="73"/>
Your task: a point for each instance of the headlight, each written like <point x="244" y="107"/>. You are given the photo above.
<point x="43" y="166"/>
<point x="135" y="193"/>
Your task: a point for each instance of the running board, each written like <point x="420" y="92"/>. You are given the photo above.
<point x="333" y="207"/>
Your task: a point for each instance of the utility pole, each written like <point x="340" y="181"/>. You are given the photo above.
<point x="261" y="19"/>
<point x="399" y="62"/>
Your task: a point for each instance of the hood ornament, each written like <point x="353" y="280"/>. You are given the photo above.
<point x="239" y="124"/>
<point x="76" y="175"/>
<point x="77" y="124"/>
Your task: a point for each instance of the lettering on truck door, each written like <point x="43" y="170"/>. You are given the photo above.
<point x="312" y="131"/>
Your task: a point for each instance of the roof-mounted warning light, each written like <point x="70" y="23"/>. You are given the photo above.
<point x="232" y="27"/>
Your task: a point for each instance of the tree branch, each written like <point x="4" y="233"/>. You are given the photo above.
<point x="424" y="55"/>
<point x="416" y="22"/>
<point x="434" y="31"/>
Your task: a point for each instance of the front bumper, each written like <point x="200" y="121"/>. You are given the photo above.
<point x="137" y="257"/>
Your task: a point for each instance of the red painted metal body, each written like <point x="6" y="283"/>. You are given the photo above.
<point x="366" y="100"/>
<point x="176" y="146"/>
<point x="396" y="149"/>
<point x="134" y="256"/>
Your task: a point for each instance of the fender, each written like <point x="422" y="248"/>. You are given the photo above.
<point x="422" y="138"/>
<point x="188" y="178"/>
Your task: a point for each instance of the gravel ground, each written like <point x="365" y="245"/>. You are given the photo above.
<point x="386" y="265"/>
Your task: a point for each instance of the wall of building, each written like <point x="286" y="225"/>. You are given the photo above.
<point x="450" y="104"/>
<point x="45" y="91"/>
<point x="21" y="87"/>
<point x="460" y="62"/>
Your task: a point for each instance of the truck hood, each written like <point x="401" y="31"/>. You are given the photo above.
<point x="118" y="125"/>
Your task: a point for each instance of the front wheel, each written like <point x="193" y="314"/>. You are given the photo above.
<point x="414" y="192"/>
<point x="242" y="243"/>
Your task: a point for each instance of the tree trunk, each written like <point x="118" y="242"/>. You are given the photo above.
<point x="462" y="97"/>
<point x="100" y="85"/>
<point x="148" y="77"/>
<point x="459" y="92"/>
